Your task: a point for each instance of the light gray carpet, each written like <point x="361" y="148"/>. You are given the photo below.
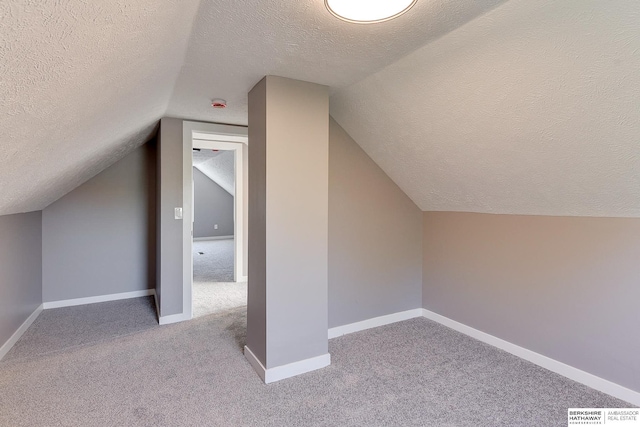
<point x="216" y="297"/>
<point x="413" y="373"/>
<point x="213" y="260"/>
<point x="213" y="288"/>
<point x="60" y="329"/>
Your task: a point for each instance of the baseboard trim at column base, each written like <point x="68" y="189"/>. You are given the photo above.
<point x="286" y="371"/>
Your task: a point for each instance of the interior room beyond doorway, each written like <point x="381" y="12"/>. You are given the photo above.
<point x="215" y="288"/>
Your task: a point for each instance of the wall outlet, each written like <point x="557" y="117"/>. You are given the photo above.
<point x="178" y="213"/>
<point x="215" y="226"/>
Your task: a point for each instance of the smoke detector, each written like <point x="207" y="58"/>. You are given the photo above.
<point x="219" y="103"/>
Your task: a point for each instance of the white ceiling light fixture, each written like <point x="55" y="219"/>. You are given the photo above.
<point x="368" y="11"/>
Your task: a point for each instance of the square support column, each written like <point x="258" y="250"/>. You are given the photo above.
<point x="287" y="318"/>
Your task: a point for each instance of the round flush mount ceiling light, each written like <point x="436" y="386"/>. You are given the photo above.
<point x="368" y="11"/>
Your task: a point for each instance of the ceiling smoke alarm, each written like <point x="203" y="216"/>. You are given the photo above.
<point x="219" y="103"/>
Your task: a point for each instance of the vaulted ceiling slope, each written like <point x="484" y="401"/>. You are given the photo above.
<point x="532" y="108"/>
<point x="83" y="83"/>
<point x="520" y="107"/>
<point x="236" y="43"/>
<point x="218" y="166"/>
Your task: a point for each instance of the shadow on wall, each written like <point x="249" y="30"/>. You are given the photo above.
<point x="151" y="168"/>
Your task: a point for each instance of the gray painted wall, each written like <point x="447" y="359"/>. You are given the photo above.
<point x="375" y="237"/>
<point x="257" y="244"/>
<point x="170" y="257"/>
<point x="212" y="205"/>
<point x="174" y="175"/>
<point x="245" y="213"/>
<point x="295" y="215"/>
<point x="20" y="270"/>
<point x="98" y="239"/>
<point x="564" y="287"/>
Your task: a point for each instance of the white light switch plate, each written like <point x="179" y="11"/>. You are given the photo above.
<point x="178" y="212"/>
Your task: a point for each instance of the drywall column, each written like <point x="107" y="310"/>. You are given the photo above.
<point x="288" y="227"/>
<point x="245" y="211"/>
<point x="169" y="288"/>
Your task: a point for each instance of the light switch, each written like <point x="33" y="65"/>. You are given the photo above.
<point x="178" y="213"/>
<point x="215" y="226"/>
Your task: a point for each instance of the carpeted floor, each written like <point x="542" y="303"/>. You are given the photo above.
<point x="213" y="288"/>
<point x="63" y="329"/>
<point x="210" y="297"/>
<point x="412" y="373"/>
<point x="213" y="260"/>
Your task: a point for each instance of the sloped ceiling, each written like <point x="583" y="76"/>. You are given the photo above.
<point x="525" y="106"/>
<point x="533" y="108"/>
<point x="218" y="167"/>
<point x="236" y="43"/>
<point x="81" y="84"/>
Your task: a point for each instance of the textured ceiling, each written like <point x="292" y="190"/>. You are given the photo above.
<point x="236" y="43"/>
<point x="525" y="106"/>
<point x="533" y="108"/>
<point x="218" y="166"/>
<point x="81" y="84"/>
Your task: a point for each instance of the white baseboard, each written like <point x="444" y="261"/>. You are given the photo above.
<point x="101" y="298"/>
<point x="286" y="371"/>
<point x="563" y="369"/>
<point x="255" y="363"/>
<point x="374" y="322"/>
<point x="4" y="349"/>
<point x="242" y="279"/>
<point x="173" y="318"/>
<point x="203" y="239"/>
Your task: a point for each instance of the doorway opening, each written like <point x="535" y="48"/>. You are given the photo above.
<point x="214" y="194"/>
<point x="214" y="286"/>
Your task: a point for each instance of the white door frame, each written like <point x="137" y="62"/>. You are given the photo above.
<point x="221" y="137"/>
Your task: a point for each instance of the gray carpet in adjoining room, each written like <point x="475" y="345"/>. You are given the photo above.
<point x="213" y="288"/>
<point x="211" y="298"/>
<point x="213" y="260"/>
<point x="412" y="373"/>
